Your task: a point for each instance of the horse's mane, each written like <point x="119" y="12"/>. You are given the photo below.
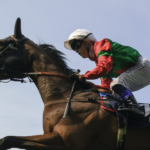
<point x="61" y="62"/>
<point x="58" y="56"/>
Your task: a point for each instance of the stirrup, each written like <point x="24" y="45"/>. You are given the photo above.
<point x="134" y="111"/>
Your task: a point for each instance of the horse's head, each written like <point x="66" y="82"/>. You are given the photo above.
<point x="11" y="54"/>
<point x="19" y="55"/>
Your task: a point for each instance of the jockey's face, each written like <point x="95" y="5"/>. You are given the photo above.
<point x="82" y="47"/>
<point x="85" y="49"/>
<point x="82" y="51"/>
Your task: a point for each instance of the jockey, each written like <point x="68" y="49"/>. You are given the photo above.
<point x="113" y="60"/>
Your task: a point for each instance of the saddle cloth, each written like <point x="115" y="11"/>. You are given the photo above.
<point x="111" y="104"/>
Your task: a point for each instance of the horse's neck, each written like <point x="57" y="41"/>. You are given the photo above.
<point x="50" y="88"/>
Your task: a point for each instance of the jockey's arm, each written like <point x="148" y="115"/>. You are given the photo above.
<point x="104" y="63"/>
<point x="103" y="67"/>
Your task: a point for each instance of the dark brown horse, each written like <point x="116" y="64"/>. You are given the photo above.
<point x="86" y="127"/>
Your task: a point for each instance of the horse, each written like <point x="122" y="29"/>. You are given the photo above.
<point x="87" y="125"/>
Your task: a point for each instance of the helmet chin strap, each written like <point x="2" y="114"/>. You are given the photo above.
<point x="89" y="50"/>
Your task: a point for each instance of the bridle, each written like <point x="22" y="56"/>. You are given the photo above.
<point x="24" y="74"/>
<point x="11" y="46"/>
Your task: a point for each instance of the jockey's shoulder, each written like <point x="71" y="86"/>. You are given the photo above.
<point x="102" y="45"/>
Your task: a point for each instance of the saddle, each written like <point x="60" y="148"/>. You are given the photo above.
<point x="112" y="104"/>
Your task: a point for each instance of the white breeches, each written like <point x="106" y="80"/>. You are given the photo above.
<point x="135" y="77"/>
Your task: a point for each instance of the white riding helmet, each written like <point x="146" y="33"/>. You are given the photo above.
<point x="79" y="34"/>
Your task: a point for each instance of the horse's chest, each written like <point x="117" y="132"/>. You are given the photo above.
<point x="51" y="117"/>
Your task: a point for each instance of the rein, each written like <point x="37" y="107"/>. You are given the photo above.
<point x="49" y="74"/>
<point x="37" y="73"/>
<point x="27" y="74"/>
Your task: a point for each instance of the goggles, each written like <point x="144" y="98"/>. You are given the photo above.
<point x="76" y="44"/>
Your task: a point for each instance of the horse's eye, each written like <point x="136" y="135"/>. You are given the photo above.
<point x="1" y="44"/>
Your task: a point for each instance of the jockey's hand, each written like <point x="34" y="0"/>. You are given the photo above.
<point x="78" y="77"/>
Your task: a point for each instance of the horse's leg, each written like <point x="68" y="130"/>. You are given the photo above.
<point x="49" y="141"/>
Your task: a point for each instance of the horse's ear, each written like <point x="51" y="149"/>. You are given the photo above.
<point x="17" y="30"/>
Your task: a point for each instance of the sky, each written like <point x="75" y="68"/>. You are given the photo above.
<point x="52" y="21"/>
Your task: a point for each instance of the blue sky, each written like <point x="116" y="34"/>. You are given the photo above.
<point x="126" y="22"/>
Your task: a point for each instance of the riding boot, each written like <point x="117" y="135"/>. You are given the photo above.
<point x="130" y="103"/>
